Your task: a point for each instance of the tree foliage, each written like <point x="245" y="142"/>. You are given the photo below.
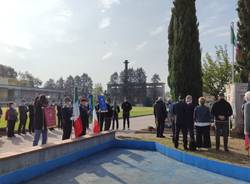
<point x="33" y="81"/>
<point x="114" y="78"/>
<point x="97" y="90"/>
<point x="216" y="72"/>
<point x="184" y="63"/>
<point x="50" y="84"/>
<point x="83" y="83"/>
<point x="243" y="38"/>
<point x="7" y="72"/>
<point x="155" y="78"/>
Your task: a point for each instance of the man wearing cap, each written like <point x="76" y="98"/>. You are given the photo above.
<point x="221" y="111"/>
<point x="179" y="110"/>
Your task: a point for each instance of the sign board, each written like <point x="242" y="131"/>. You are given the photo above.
<point x="50" y="117"/>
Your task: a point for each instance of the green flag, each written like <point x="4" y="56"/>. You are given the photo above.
<point x="233" y="37"/>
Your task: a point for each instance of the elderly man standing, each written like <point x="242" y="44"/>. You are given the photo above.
<point x="190" y="121"/>
<point x="221" y="111"/>
<point x="247" y="117"/>
<point x="160" y="112"/>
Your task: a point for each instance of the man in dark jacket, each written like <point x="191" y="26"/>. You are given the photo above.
<point x="179" y="111"/>
<point x="23" y="110"/>
<point x="115" y="118"/>
<point x="221" y="111"/>
<point x="84" y="114"/>
<point x="190" y="121"/>
<point x="160" y="112"/>
<point x="126" y="108"/>
<point x="31" y="117"/>
<point x="1" y="112"/>
<point x="59" y="115"/>
<point x="108" y="115"/>
<point x="11" y="117"/>
<point x="67" y="113"/>
<point x="39" y="122"/>
<point x="170" y="106"/>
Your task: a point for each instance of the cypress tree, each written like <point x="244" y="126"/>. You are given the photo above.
<point x="243" y="37"/>
<point x="184" y="63"/>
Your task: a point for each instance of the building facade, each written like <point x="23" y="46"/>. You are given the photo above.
<point x="15" y="90"/>
<point x="137" y="93"/>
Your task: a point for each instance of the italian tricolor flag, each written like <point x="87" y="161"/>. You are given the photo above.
<point x="96" y="126"/>
<point x="76" y="115"/>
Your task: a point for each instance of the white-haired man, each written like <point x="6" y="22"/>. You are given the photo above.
<point x="247" y="115"/>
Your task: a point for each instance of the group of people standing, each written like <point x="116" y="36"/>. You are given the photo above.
<point x="111" y="115"/>
<point x="65" y="119"/>
<point x="187" y="117"/>
<point x="12" y="115"/>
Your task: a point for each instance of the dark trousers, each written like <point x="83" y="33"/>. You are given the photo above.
<point x="160" y="128"/>
<point x="11" y="127"/>
<point x="221" y="128"/>
<point x="107" y="124"/>
<point x="84" y="128"/>
<point x="173" y="129"/>
<point x="125" y="118"/>
<point x="190" y="130"/>
<point x="22" y="125"/>
<point x="59" y="122"/>
<point x="115" y="119"/>
<point x="101" y="122"/>
<point x="183" y="129"/>
<point x="31" y="124"/>
<point x="67" y="131"/>
<point x="203" y="136"/>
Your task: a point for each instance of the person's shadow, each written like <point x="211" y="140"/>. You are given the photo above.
<point x="97" y="167"/>
<point x="16" y="140"/>
<point x="28" y="137"/>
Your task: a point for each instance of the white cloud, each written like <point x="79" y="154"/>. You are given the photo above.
<point x="107" y="55"/>
<point x="105" y="22"/>
<point x="107" y="4"/>
<point x="63" y="16"/>
<point x="224" y="34"/>
<point x="215" y="30"/>
<point x="23" y="23"/>
<point x="157" y="31"/>
<point x="141" y="45"/>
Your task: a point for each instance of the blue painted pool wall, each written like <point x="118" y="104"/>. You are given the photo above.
<point x="234" y="171"/>
<point x="27" y="174"/>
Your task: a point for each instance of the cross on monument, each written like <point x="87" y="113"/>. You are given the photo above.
<point x="125" y="85"/>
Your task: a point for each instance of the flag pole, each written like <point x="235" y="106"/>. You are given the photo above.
<point x="233" y="50"/>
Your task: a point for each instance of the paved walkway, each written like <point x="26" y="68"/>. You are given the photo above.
<point x="22" y="141"/>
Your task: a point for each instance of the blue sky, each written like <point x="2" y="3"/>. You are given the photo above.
<point x="54" y="38"/>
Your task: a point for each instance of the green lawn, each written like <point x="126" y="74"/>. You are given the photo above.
<point x="136" y="111"/>
<point x="140" y="111"/>
<point x="3" y="122"/>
